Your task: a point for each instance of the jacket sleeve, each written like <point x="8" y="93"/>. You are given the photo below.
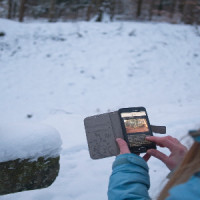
<point x="129" y="179"/>
<point x="189" y="190"/>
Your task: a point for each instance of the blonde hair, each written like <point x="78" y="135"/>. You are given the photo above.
<point x="189" y="165"/>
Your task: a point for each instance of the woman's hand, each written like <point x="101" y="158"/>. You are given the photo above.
<point x="177" y="150"/>
<point x="124" y="148"/>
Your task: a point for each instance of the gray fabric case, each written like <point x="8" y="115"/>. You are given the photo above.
<point x="102" y="131"/>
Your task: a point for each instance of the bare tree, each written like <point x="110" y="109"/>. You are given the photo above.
<point x="22" y="10"/>
<point x="151" y="7"/>
<point x="189" y="11"/>
<point x="160" y="7"/>
<point x="172" y="10"/>
<point x="139" y="6"/>
<point x="112" y="9"/>
<point x="182" y="6"/>
<point x="9" y="9"/>
<point x="52" y="11"/>
<point x="14" y="8"/>
<point x="88" y="13"/>
<point x="99" y="6"/>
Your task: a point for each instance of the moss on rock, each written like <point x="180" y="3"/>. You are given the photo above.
<point x="20" y="175"/>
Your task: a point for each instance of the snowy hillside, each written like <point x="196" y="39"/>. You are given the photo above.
<point x="60" y="73"/>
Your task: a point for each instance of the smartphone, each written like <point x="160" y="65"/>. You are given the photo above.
<point x="136" y="126"/>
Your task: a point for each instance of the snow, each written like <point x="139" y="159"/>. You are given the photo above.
<point x="60" y="73"/>
<point x="28" y="141"/>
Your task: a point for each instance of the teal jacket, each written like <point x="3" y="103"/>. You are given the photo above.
<point x="130" y="181"/>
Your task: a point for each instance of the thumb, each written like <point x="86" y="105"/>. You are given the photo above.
<point x="146" y="157"/>
<point x="122" y="146"/>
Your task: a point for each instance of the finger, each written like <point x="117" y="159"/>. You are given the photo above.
<point x="163" y="141"/>
<point x="122" y="146"/>
<point x="178" y="144"/>
<point x="155" y="139"/>
<point x="158" y="154"/>
<point x="175" y="140"/>
<point x="146" y="157"/>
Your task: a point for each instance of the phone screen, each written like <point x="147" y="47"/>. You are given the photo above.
<point x="135" y="122"/>
<point x="136" y="127"/>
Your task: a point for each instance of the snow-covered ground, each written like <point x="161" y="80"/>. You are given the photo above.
<point x="59" y="73"/>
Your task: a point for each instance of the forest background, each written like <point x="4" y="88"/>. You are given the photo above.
<point x="173" y="11"/>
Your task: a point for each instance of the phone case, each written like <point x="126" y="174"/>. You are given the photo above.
<point x="102" y="131"/>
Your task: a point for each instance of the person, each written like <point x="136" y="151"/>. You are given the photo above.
<point x="130" y="177"/>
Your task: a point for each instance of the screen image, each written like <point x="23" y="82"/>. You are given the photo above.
<point x="135" y="122"/>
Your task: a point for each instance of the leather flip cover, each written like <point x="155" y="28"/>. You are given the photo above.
<point x="102" y="131"/>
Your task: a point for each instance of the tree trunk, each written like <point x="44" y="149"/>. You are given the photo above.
<point x="9" y="9"/>
<point x="22" y="10"/>
<point x="99" y="6"/>
<point x="14" y="10"/>
<point x="52" y="11"/>
<point x="112" y="9"/>
<point x="88" y="13"/>
<point x="100" y="16"/>
<point x="173" y="5"/>
<point x="139" y="8"/>
<point x="151" y="9"/>
<point x="182" y="8"/>
<point x="160" y="8"/>
<point x="188" y="14"/>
